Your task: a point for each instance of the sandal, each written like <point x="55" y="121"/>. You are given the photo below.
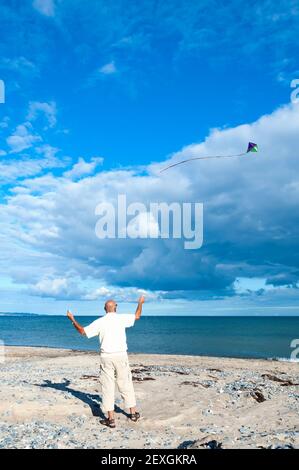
<point x="134" y="416"/>
<point x="108" y="422"/>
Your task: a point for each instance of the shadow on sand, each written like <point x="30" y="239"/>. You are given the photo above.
<point x="89" y="399"/>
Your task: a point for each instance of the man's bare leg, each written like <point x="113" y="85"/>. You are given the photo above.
<point x="111" y="414"/>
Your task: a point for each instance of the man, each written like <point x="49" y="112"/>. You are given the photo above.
<point x="111" y="329"/>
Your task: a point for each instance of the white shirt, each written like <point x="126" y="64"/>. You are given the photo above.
<point x="111" y="330"/>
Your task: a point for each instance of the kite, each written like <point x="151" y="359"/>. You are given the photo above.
<point x="252" y="147"/>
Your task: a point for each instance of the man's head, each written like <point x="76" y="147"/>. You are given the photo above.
<point x="110" y="306"/>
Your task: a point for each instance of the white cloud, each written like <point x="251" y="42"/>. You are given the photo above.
<point x="62" y="288"/>
<point x="125" y="294"/>
<point x="45" y="7"/>
<point x="37" y="108"/>
<point x="108" y="69"/>
<point x="251" y="227"/>
<point x="22" y="138"/>
<point x="12" y="170"/>
<point x="144" y="225"/>
<point x="83" y="168"/>
<point x="101" y="72"/>
<point x="67" y="288"/>
<point x="19" y="64"/>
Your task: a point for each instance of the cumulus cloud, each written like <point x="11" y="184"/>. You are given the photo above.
<point x="17" y="169"/>
<point x="27" y="153"/>
<point x="251" y="222"/>
<point x="65" y="288"/>
<point x="125" y="294"/>
<point x="61" y="288"/>
<point x="83" y="168"/>
<point x="144" y="225"/>
<point x="37" y="108"/>
<point x="22" y="138"/>
<point x="25" y="166"/>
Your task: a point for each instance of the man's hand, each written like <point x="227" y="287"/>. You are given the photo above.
<point x="70" y="316"/>
<point x="138" y="312"/>
<point x="78" y="327"/>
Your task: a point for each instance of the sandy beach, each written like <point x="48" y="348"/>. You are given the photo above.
<point x="51" y="398"/>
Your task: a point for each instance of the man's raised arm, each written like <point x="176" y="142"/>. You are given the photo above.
<point x="78" y="327"/>
<point x="139" y="307"/>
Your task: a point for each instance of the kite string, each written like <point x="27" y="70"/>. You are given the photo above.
<point x="202" y="158"/>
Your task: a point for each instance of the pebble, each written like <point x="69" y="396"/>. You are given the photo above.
<point x="40" y="433"/>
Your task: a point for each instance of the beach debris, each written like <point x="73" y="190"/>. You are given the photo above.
<point x="89" y="377"/>
<point x="257" y="395"/>
<point x="213" y="444"/>
<point x="205" y="442"/>
<point x="140" y="371"/>
<point x="142" y="379"/>
<point x="283" y="382"/>
<point x="161" y="370"/>
<point x="185" y="444"/>
<point x="210" y="430"/>
<point x="281" y="446"/>
<point x="196" y="384"/>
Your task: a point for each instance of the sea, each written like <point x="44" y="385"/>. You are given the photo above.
<point x="244" y="337"/>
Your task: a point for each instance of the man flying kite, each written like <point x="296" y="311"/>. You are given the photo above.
<point x="111" y="331"/>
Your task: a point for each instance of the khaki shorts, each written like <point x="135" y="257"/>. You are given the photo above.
<point x="116" y="369"/>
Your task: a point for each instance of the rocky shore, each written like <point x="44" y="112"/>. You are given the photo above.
<point x="51" y="398"/>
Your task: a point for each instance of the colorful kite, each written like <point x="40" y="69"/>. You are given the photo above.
<point x="252" y="147"/>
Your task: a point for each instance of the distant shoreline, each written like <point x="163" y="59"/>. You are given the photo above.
<point x="132" y="354"/>
<point x="67" y="352"/>
<point x="19" y="314"/>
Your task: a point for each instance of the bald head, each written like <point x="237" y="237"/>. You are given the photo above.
<point x="110" y="306"/>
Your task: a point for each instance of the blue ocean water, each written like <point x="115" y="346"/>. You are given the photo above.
<point x="248" y="337"/>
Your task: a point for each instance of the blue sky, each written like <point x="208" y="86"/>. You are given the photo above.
<point x="99" y="97"/>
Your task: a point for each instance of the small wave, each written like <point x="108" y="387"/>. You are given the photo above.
<point x="283" y="359"/>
